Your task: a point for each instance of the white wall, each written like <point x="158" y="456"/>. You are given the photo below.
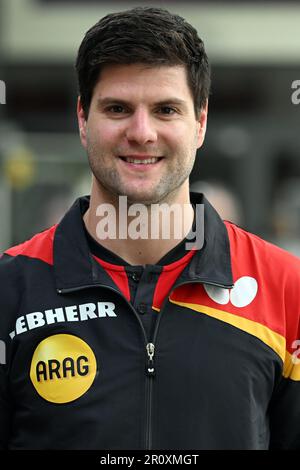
<point x="242" y="33"/>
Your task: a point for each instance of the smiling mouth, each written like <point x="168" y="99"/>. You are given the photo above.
<point x="142" y="161"/>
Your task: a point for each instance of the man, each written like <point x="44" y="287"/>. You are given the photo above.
<point x="135" y="342"/>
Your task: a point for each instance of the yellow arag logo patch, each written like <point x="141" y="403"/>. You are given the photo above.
<point x="63" y="368"/>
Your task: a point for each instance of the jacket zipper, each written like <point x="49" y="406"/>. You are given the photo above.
<point x="150" y="346"/>
<point x="150" y="373"/>
<point x="149" y="364"/>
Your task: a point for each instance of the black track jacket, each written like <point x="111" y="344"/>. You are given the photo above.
<point x="79" y="372"/>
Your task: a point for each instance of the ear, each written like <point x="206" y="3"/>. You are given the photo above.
<point x="202" y="120"/>
<point x="81" y="122"/>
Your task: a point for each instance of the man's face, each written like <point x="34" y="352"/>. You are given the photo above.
<point x="141" y="134"/>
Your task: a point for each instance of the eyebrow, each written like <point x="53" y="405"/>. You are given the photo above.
<point x="110" y="99"/>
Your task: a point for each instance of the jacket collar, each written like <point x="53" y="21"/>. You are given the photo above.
<point x="74" y="266"/>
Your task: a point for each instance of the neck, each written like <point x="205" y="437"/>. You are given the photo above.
<point x="140" y="235"/>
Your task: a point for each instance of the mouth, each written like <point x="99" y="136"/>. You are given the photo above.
<point x="147" y="160"/>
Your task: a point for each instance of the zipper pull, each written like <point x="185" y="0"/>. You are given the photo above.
<point x="150" y="365"/>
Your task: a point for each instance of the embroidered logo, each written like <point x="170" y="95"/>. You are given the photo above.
<point x="242" y="294"/>
<point x="63" y="368"/>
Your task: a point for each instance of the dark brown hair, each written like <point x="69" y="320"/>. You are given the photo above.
<point x="152" y="36"/>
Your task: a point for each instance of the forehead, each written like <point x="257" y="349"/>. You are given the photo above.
<point x="140" y="80"/>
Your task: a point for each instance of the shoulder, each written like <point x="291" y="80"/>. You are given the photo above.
<point x="13" y="262"/>
<point x="16" y="270"/>
<point x="40" y="246"/>
<point x="247" y="248"/>
<point x="270" y="277"/>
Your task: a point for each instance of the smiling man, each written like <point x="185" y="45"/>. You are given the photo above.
<point x="133" y="341"/>
<point x="141" y="135"/>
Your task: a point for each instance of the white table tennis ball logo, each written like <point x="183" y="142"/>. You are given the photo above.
<point x="242" y="294"/>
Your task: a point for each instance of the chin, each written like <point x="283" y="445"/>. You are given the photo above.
<point x="143" y="198"/>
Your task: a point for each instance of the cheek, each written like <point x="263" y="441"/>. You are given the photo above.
<point x="103" y="132"/>
<point x="184" y="138"/>
<point x="108" y="131"/>
<point x="175" y="135"/>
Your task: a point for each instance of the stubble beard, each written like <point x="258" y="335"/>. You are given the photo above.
<point x="162" y="192"/>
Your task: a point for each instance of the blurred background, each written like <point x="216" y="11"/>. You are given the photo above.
<point x="249" y="166"/>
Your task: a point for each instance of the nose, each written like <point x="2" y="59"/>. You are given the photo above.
<point x="140" y="127"/>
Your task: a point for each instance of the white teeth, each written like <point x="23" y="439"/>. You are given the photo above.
<point x="141" y="162"/>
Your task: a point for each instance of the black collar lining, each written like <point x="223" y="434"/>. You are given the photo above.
<point x="74" y="265"/>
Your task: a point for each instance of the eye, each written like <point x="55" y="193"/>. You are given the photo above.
<point x="116" y="109"/>
<point x="168" y="110"/>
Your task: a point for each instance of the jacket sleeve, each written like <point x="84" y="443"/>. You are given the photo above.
<point x="285" y="405"/>
<point x="5" y="409"/>
<point x="9" y="299"/>
<point x="285" y="416"/>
